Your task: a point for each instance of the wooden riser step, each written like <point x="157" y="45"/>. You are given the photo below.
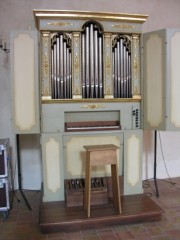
<point x="55" y="216"/>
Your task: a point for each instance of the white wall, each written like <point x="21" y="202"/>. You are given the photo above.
<point x="18" y="14"/>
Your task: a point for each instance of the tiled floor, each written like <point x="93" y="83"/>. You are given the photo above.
<point x="22" y="224"/>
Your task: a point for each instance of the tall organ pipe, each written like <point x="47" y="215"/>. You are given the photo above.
<point x="67" y="74"/>
<point x="61" y="63"/>
<point x="83" y="67"/>
<point x="87" y="63"/>
<point x="52" y="70"/>
<point x="125" y="72"/>
<point x="57" y="69"/>
<point x="92" y="61"/>
<point x="100" y="68"/>
<point x="65" y="71"/>
<point x="96" y="62"/>
<point x="55" y="72"/>
<point x="119" y="70"/>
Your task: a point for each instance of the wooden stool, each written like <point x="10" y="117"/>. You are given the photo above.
<point x="102" y="155"/>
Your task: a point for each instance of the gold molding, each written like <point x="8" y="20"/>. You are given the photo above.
<point x="46" y="100"/>
<point x="93" y="106"/>
<point x="60" y="24"/>
<point x="123" y="26"/>
<point x="42" y="14"/>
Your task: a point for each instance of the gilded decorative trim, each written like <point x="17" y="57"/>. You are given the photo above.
<point x="107" y="65"/>
<point x="76" y="65"/>
<point x="60" y="24"/>
<point x="93" y="106"/>
<point x="107" y="16"/>
<point x="79" y="99"/>
<point x="122" y="26"/>
<point x="45" y="67"/>
<point x="136" y="85"/>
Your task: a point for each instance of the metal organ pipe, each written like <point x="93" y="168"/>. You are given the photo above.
<point x="57" y="69"/>
<point x="83" y="67"/>
<point x="122" y="69"/>
<point x="96" y="63"/>
<point x="100" y="57"/>
<point x="87" y="63"/>
<point x="92" y="49"/>
<point x="65" y="68"/>
<point x="61" y="67"/>
<point x="61" y="63"/>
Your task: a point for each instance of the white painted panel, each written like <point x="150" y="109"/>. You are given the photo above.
<point x="76" y="155"/>
<point x="175" y="79"/>
<point x="133" y="160"/>
<point x="24" y="95"/>
<point x="154" y="80"/>
<point x="53" y="165"/>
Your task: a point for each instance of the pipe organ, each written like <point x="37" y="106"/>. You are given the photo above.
<point x="96" y="83"/>
<point x="90" y="93"/>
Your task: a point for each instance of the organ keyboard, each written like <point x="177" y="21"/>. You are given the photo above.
<point x="92" y="126"/>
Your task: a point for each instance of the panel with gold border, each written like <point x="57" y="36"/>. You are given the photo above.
<point x="133" y="162"/>
<point x="53" y="179"/>
<point x="24" y="79"/>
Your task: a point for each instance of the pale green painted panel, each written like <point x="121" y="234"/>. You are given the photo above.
<point x="154" y="80"/>
<point x="52" y="161"/>
<point x="133" y="146"/>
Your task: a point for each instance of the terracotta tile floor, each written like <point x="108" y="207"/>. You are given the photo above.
<point x="22" y="224"/>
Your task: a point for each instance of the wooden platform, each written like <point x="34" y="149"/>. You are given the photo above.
<point x="55" y="216"/>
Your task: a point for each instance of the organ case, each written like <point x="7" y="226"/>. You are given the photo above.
<point x="90" y="94"/>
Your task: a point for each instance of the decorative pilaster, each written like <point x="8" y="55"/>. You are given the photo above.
<point x="136" y="77"/>
<point x="76" y="66"/>
<point x="46" y="66"/>
<point x="108" y="85"/>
